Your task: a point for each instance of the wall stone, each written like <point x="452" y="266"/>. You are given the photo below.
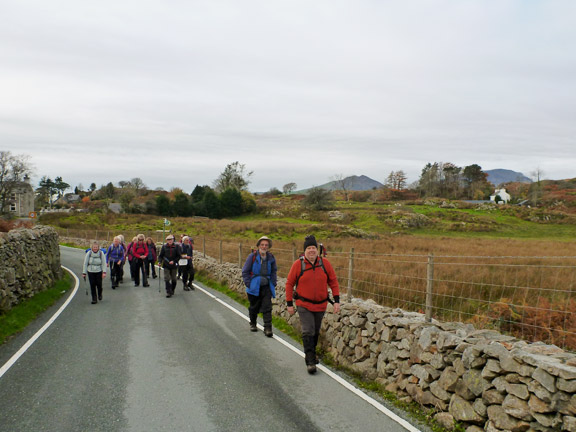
<point x="29" y="263"/>
<point x="481" y="378"/>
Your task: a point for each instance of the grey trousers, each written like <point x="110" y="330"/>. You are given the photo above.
<point x="311" y="322"/>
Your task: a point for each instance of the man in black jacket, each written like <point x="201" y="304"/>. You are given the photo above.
<point x="168" y="258"/>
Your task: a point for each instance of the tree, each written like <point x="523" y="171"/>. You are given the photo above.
<point x="396" y="180"/>
<point x="125" y="200"/>
<point x="109" y="190"/>
<point x="318" y="199"/>
<point x="211" y="205"/>
<point x="231" y="202"/>
<point x="234" y="176"/>
<point x="92" y="187"/>
<point x="123" y="184"/>
<point x="181" y="205"/>
<point x="163" y="205"/>
<point x="288" y="188"/>
<point x="475" y="181"/>
<point x="342" y="183"/>
<point x="138" y="185"/>
<point x="14" y="169"/>
<point x="274" y="191"/>
<point x="60" y="186"/>
<point x="46" y="191"/>
<point x="536" y="187"/>
<point x="198" y="193"/>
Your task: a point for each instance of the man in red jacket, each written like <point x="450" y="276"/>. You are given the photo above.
<point x="307" y="283"/>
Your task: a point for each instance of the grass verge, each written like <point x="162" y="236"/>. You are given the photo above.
<point x="412" y="408"/>
<point x="17" y="318"/>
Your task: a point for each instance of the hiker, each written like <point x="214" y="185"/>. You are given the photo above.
<point x="123" y="243"/>
<point x="186" y="250"/>
<point x="307" y="283"/>
<point x="130" y="256"/>
<point x="169" y="256"/>
<point x="151" y="258"/>
<point x="114" y="259"/>
<point x="259" y="274"/>
<point x="139" y="255"/>
<point x="179" y="244"/>
<point x="95" y="267"/>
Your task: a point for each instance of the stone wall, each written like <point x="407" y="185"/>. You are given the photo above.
<point x="29" y="263"/>
<point x="480" y="378"/>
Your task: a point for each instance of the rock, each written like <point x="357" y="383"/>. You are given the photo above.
<point x="503" y="421"/>
<point x="463" y="410"/>
<point x="569" y="424"/>
<point x="445" y="420"/>
<point x="537" y="405"/>
<point x="492" y="397"/>
<point x="568" y="386"/>
<point x="516" y="407"/>
<point x="545" y="379"/>
<point x="474" y="382"/>
<point x="448" y="379"/>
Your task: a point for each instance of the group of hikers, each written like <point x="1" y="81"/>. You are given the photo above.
<point x="306" y="285"/>
<point x="141" y="254"/>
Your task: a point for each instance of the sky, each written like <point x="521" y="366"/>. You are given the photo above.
<point x="298" y="91"/>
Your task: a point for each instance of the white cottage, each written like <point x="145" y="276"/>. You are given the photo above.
<point x="500" y="196"/>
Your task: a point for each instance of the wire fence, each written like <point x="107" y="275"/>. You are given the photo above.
<point x="531" y="297"/>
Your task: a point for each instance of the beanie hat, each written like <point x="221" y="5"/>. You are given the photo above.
<point x="264" y="238"/>
<point x="310" y="241"/>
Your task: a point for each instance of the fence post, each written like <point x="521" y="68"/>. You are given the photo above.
<point x="294" y="257"/>
<point x="429" y="287"/>
<point x="350" y="274"/>
<point x="220" y="250"/>
<point x="204" y="246"/>
<point x="240" y="255"/>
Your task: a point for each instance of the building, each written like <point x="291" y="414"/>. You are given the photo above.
<point x="21" y="200"/>
<point x="500" y="196"/>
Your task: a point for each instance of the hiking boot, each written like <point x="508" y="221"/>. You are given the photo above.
<point x="186" y="288"/>
<point x="94" y="301"/>
<point x="268" y="331"/>
<point x="146" y="285"/>
<point x="253" y="327"/>
<point x="100" y="297"/>
<point x="311" y="369"/>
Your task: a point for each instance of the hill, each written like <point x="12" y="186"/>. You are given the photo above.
<point x="500" y="176"/>
<point x="352" y="183"/>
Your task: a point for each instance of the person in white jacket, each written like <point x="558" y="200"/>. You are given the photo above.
<point x="95" y="267"/>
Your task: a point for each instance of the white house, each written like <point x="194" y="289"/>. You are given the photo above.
<point x="500" y="196"/>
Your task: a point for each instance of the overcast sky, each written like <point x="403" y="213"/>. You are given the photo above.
<point x="172" y="91"/>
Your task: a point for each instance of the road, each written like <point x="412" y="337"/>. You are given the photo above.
<point x="138" y="361"/>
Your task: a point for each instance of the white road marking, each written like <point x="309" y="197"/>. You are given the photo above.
<point x="33" y="339"/>
<point x="324" y="369"/>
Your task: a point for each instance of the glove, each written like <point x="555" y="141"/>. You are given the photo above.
<point x="84" y="276"/>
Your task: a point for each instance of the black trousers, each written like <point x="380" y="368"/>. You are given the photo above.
<point x="95" y="285"/>
<point x="187" y="274"/>
<point x="138" y="264"/>
<point x="261" y="303"/>
<point x="115" y="273"/>
<point x="150" y="264"/>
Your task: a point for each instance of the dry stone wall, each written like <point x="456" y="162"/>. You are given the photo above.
<point x="480" y="378"/>
<point x="29" y="263"/>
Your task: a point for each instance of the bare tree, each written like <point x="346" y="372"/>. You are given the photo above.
<point x="234" y="176"/>
<point x="288" y="188"/>
<point x="537" y="175"/>
<point x="342" y="183"/>
<point x="396" y="180"/>
<point x="138" y="185"/>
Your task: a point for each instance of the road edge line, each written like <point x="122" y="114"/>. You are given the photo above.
<point x="407" y="425"/>
<point x="33" y="339"/>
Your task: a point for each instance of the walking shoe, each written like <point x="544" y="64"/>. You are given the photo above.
<point x="136" y="284"/>
<point x="100" y="297"/>
<point x="154" y="276"/>
<point x="268" y="331"/>
<point x="168" y="295"/>
<point x="146" y="285"/>
<point x="113" y="286"/>
<point x="253" y="327"/>
<point x="191" y="286"/>
<point x="311" y="369"/>
<point x="186" y="288"/>
<point x="94" y="301"/>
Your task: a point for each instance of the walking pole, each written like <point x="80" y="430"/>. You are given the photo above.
<point x="85" y="284"/>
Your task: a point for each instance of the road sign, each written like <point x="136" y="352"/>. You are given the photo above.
<point x="32" y="215"/>
<point x="166" y="222"/>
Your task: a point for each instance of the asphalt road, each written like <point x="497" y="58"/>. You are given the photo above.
<point x="137" y="361"/>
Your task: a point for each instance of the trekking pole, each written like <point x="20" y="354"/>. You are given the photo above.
<point x="159" y="273"/>
<point x="85" y="285"/>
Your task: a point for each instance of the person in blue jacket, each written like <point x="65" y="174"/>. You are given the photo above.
<point x="260" y="274"/>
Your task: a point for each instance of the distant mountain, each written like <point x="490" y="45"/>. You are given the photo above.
<point x="499" y="176"/>
<point x="353" y="183"/>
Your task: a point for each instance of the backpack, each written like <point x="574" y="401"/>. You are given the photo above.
<point x="303" y="268"/>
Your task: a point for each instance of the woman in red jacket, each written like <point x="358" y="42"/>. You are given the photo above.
<point x="307" y="283"/>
